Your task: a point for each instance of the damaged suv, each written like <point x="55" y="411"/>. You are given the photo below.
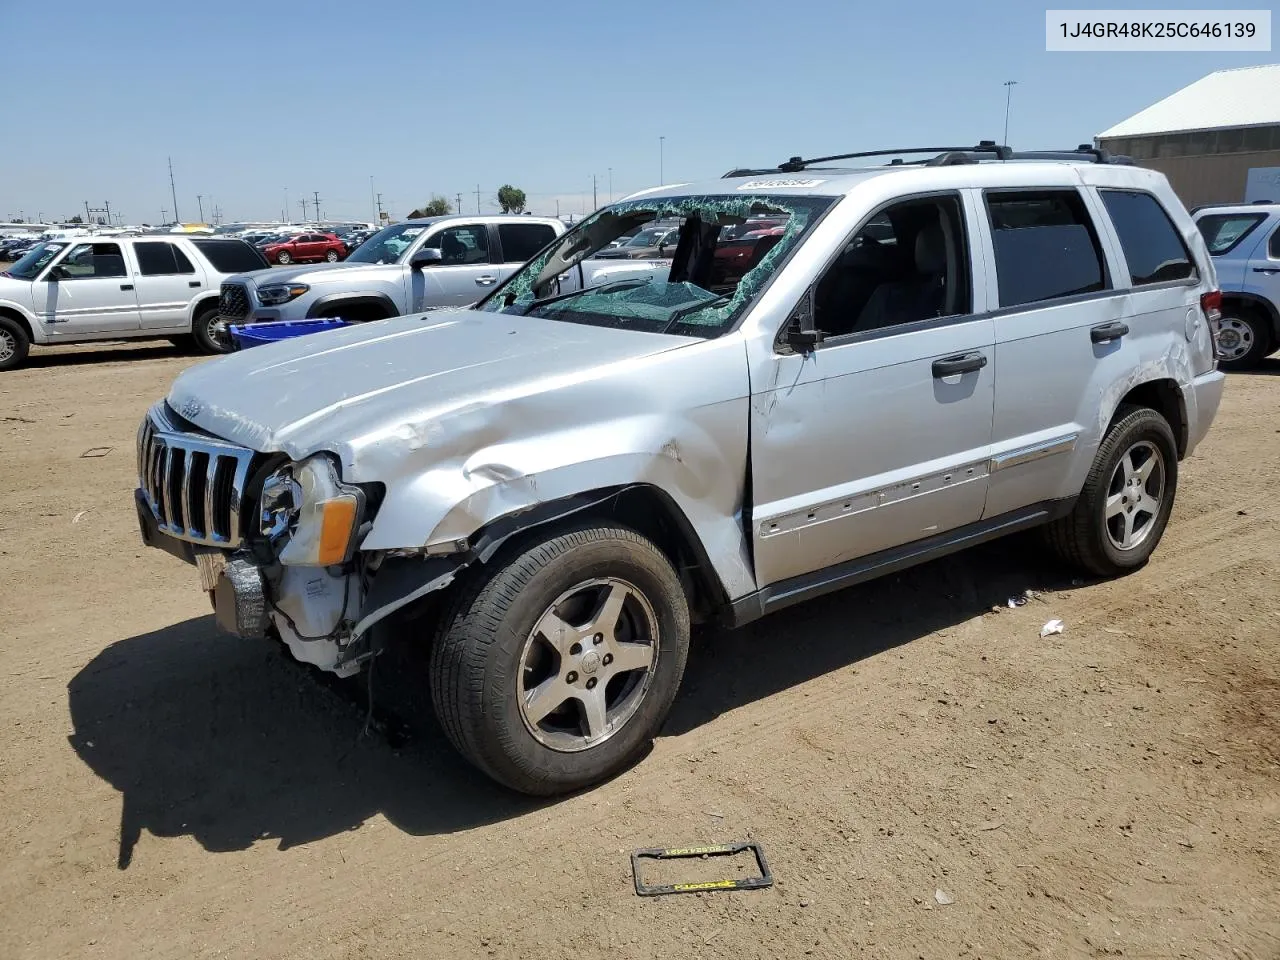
<point x="550" y="487"/>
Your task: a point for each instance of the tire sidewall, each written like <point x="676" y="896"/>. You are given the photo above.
<point x="1143" y="425"/>
<point x="525" y="757"/>
<point x="200" y="330"/>
<point x="21" y="344"/>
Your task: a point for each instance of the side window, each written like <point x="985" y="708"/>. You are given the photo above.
<point x="909" y="263"/>
<point x="520" y="241"/>
<point x="1223" y="232"/>
<point x="161" y="259"/>
<point x="1152" y="248"/>
<point x="93" y="261"/>
<point x="1045" y="246"/>
<point x="1273" y="247"/>
<point x="463" y="245"/>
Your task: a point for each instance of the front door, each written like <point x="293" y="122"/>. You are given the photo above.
<point x="166" y="282"/>
<point x="881" y="435"/>
<point x="89" y="291"/>
<point x="464" y="273"/>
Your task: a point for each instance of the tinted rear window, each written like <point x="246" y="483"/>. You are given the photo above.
<point x="520" y="241"/>
<point x="231" y="256"/>
<point x="157" y="258"/>
<point x="1223" y="232"/>
<point x="1045" y="246"/>
<point x="1152" y="247"/>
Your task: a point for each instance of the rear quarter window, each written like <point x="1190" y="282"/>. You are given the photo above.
<point x="231" y="256"/>
<point x="1223" y="232"/>
<point x="520" y="241"/>
<point x="1152" y="246"/>
<point x="1045" y="246"/>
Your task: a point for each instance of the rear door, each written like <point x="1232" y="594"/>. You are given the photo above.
<point x="1262" y="274"/>
<point x="167" y="281"/>
<point x="464" y="273"/>
<point x="518" y="242"/>
<point x="89" y="291"/>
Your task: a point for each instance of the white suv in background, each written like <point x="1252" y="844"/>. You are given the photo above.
<point x="1244" y="241"/>
<point x="118" y="288"/>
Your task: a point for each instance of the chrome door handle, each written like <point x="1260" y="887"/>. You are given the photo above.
<point x="486" y="281"/>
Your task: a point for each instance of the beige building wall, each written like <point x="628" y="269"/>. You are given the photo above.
<point x="1214" y="178"/>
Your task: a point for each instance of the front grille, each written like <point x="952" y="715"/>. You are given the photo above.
<point x="233" y="301"/>
<point x="194" y="483"/>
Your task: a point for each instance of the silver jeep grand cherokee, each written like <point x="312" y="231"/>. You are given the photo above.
<point x="557" y="482"/>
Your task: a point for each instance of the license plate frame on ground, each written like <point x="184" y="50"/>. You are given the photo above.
<point x="715" y="850"/>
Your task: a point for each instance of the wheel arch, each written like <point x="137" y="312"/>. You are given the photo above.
<point x="1166" y="398"/>
<point x="1254" y="303"/>
<point x="21" y="319"/>
<point x="200" y="303"/>
<point x="323" y="306"/>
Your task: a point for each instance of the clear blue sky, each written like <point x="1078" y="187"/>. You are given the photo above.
<point x="427" y="96"/>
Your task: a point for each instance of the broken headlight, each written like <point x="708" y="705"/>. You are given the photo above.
<point x="308" y="515"/>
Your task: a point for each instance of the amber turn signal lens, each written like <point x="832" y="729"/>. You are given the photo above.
<point x="336" y="529"/>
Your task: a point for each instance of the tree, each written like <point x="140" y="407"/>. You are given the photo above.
<point x="437" y="206"/>
<point x="511" y="199"/>
<point x="76" y="219"/>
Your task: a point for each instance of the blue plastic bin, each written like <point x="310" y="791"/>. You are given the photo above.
<point x="256" y="334"/>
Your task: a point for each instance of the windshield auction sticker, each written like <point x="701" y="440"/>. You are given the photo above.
<point x="778" y="184"/>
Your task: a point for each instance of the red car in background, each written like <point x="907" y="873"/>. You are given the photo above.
<point x="306" y="247"/>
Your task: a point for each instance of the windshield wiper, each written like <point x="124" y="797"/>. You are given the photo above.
<point x="695" y="308"/>
<point x="613" y="287"/>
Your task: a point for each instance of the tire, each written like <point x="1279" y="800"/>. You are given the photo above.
<point x="494" y="650"/>
<point x="1244" y="338"/>
<point x="284" y="257"/>
<point x="332" y="256"/>
<point x="1117" y="520"/>
<point x="206" y="335"/>
<point x="14" y="344"/>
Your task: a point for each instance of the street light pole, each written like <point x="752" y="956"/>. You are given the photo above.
<point x="1008" y="99"/>
<point x="662" y="142"/>
<point x="200" y="204"/>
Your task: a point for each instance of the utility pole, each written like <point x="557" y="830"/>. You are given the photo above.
<point x="87" y="217"/>
<point x="303" y="201"/>
<point x="200" y="204"/>
<point x="315" y="208"/>
<point x="477" y="199"/>
<point x="1008" y="99"/>
<point x="107" y="206"/>
<point x="174" y="191"/>
<point x="164" y="216"/>
<point x="595" y="198"/>
<point x="458" y="203"/>
<point x="378" y="207"/>
<point x="373" y="198"/>
<point x="287" y="218"/>
<point x="557" y="208"/>
<point x="662" y="143"/>
<point x="611" y="184"/>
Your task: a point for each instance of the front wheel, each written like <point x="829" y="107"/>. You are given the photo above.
<point x="1243" y="340"/>
<point x="284" y="257"/>
<point x="14" y="344"/>
<point x="210" y="333"/>
<point x="332" y="256"/>
<point x="1127" y="497"/>
<point x="557" y="667"/>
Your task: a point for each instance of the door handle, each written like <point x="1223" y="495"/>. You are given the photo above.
<point x="126" y="286"/>
<point x="486" y="281"/>
<point x="1107" y="332"/>
<point x="1266" y="269"/>
<point x="193" y="283"/>
<point x="966" y="363"/>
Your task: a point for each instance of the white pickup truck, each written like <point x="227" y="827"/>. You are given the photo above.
<point x="118" y="288"/>
<point x="406" y="268"/>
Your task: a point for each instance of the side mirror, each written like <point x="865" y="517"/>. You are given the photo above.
<point x="426" y="257"/>
<point x="800" y="334"/>
<point x="54" y="274"/>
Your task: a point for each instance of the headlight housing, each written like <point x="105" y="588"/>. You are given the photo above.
<point x="308" y="515"/>
<point x="274" y="294"/>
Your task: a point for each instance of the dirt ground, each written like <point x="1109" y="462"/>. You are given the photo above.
<point x="168" y="791"/>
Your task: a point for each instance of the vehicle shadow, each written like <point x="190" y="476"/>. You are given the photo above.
<point x="1267" y="367"/>
<point x="156" y="350"/>
<point x="232" y="742"/>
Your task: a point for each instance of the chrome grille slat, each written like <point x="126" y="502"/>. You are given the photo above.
<point x="168" y="457"/>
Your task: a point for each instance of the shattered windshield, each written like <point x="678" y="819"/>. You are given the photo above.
<point x="700" y="291"/>
<point x="34" y="261"/>
<point x="388" y="244"/>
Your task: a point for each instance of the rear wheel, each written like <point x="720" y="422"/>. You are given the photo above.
<point x="284" y="256"/>
<point x="210" y="333"/>
<point x="14" y="344"/>
<point x="1243" y="340"/>
<point x="557" y="668"/>
<point x="1124" y="506"/>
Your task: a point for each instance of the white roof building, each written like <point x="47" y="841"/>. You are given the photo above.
<point x="1242" y="97"/>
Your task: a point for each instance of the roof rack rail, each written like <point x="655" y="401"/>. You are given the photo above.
<point x="1095" y="154"/>
<point x="796" y="164"/>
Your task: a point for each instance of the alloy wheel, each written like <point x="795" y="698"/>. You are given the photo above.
<point x="8" y="345"/>
<point x="587" y="664"/>
<point x="1134" y="495"/>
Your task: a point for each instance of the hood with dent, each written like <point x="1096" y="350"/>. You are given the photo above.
<point x="316" y="273"/>
<point x="348" y="390"/>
